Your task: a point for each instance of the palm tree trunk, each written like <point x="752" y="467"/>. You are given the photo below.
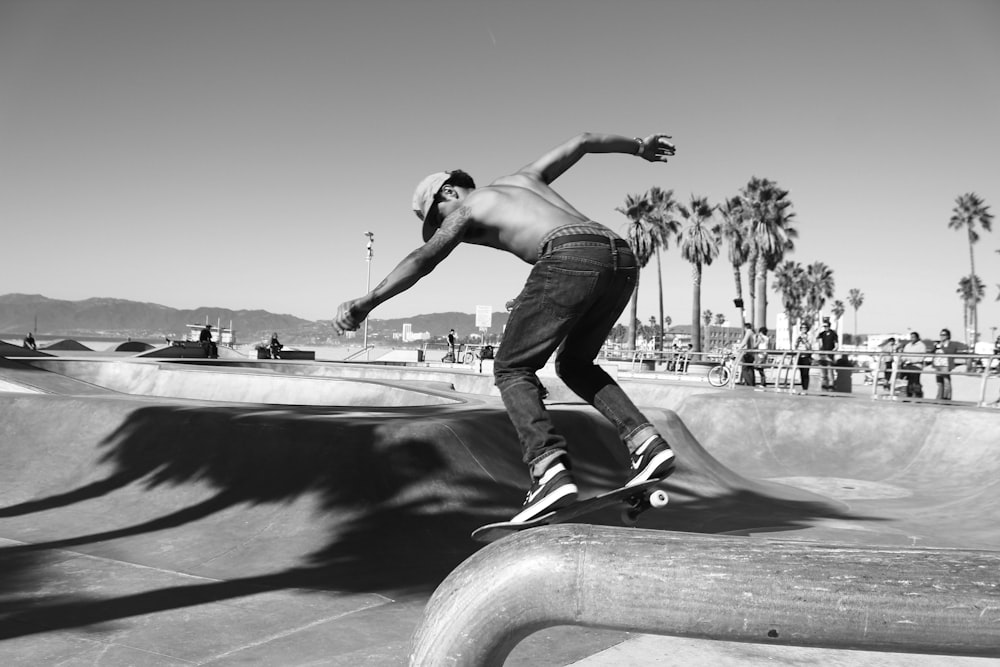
<point x="966" y="308"/>
<point x="738" y="277"/>
<point x="751" y="289"/>
<point x="974" y="307"/>
<point x="633" y="313"/>
<point x="696" y="309"/>
<point x="659" y="274"/>
<point x="760" y="316"/>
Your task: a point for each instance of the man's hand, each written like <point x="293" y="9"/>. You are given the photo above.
<point x="351" y="314"/>
<point x="657" y="148"/>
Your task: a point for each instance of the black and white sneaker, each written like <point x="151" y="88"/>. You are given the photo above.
<point x="554" y="489"/>
<point x="652" y="460"/>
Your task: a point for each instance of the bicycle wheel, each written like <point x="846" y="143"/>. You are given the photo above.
<point x="718" y="376"/>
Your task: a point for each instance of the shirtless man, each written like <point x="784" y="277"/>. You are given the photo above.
<point x="582" y="278"/>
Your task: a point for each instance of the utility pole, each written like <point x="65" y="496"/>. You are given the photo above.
<point x="368" y="283"/>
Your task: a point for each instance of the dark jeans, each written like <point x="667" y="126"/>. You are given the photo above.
<point x="912" y="375"/>
<point x="804" y="362"/>
<point x="573" y="297"/>
<point x="748" y="370"/>
<point x="824" y="361"/>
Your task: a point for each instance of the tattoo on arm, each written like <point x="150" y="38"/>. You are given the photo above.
<point x="422" y="261"/>
<point x="449" y="234"/>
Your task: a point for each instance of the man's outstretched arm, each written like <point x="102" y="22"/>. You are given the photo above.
<point x="654" y="148"/>
<point x="411" y="269"/>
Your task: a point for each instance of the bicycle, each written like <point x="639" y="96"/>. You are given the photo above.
<point x="721" y="374"/>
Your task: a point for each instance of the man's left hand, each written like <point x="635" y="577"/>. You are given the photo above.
<point x="657" y="148"/>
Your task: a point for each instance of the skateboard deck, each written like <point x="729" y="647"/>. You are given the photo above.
<point x="636" y="499"/>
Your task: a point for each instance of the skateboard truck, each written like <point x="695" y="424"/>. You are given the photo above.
<point x="639" y="503"/>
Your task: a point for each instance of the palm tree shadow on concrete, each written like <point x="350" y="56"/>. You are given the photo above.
<point x="395" y="493"/>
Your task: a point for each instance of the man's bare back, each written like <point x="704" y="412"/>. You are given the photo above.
<point x="514" y="213"/>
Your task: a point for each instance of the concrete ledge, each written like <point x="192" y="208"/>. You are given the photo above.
<point x="916" y="600"/>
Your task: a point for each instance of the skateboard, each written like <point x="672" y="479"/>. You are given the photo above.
<point x="636" y="499"/>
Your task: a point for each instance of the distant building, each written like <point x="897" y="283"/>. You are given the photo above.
<point x="409" y="335"/>
<point x="717" y="339"/>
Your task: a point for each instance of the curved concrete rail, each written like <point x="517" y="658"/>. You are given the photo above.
<point x="916" y="600"/>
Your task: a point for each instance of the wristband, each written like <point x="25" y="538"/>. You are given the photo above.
<point x="642" y="144"/>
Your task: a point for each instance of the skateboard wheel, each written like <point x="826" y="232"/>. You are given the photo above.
<point x="658" y="498"/>
<point x="629" y="517"/>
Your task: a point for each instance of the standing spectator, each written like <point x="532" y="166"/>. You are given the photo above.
<point x="683" y="359"/>
<point x="746" y="346"/>
<point x="944" y="363"/>
<point x="762" y="342"/>
<point x="275" y="346"/>
<point x="996" y="352"/>
<point x="451" y="344"/>
<point x="803" y="360"/>
<point x="675" y="351"/>
<point x="885" y="362"/>
<point x="29" y="342"/>
<point x="911" y="362"/>
<point x="828" y="342"/>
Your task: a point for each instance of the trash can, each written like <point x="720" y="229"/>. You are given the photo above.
<point x="842" y="379"/>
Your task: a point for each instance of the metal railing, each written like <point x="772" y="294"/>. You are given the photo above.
<point x="886" y="373"/>
<point x="355" y="355"/>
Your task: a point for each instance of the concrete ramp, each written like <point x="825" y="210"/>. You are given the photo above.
<point x="148" y="530"/>
<point x="924" y="475"/>
<point x="208" y="382"/>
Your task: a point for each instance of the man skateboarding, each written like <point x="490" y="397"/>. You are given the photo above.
<point x="582" y="278"/>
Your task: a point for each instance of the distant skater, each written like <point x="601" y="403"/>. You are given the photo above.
<point x="29" y="342"/>
<point x="207" y="344"/>
<point x="581" y="279"/>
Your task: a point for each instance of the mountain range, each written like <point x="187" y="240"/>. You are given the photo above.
<point x="108" y="317"/>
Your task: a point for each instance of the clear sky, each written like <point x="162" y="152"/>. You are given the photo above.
<point x="232" y="153"/>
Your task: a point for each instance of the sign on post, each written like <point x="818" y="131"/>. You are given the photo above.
<point x="484" y="317"/>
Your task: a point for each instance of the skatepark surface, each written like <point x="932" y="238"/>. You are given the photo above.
<point x="302" y="514"/>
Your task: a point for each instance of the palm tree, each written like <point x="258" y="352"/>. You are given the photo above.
<point x="971" y="290"/>
<point x="789" y="281"/>
<point x="970" y="210"/>
<point x="837" y="310"/>
<point x="663" y="226"/>
<point x="699" y="245"/>
<point x="720" y="319"/>
<point x="636" y="209"/>
<point x="706" y="317"/>
<point x="733" y="231"/>
<point x="855" y="297"/>
<point x="768" y="218"/>
<point x="818" y="288"/>
<point x="748" y="196"/>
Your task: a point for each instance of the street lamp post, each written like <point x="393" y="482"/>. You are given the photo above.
<point x="368" y="282"/>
